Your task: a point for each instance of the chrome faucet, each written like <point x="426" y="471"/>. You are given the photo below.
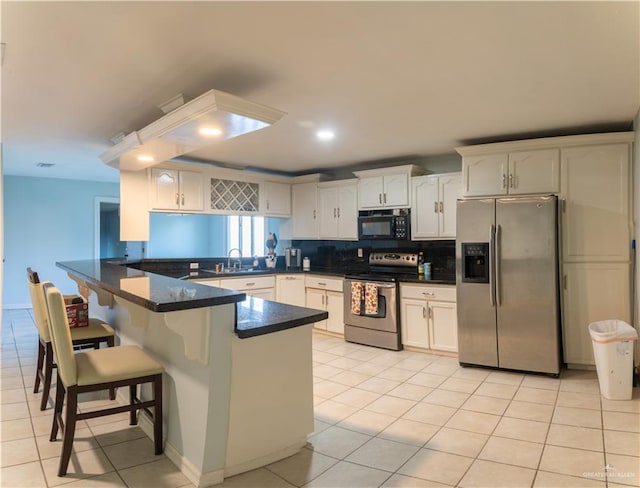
<point x="238" y="261"/>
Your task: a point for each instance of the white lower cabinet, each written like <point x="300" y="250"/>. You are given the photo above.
<point x="323" y="293"/>
<point x="253" y="286"/>
<point x="212" y="282"/>
<point x="428" y="317"/>
<point x="290" y="289"/>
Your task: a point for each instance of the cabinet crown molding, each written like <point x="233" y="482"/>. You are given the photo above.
<point x="409" y="169"/>
<point x="546" y="142"/>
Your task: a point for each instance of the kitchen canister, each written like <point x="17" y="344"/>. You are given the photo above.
<point x="306" y="264"/>
<point x="426" y="269"/>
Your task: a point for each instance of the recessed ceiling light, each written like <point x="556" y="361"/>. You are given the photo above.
<point x="45" y="165"/>
<point x="210" y="131"/>
<point x="144" y="158"/>
<point x="325" y="135"/>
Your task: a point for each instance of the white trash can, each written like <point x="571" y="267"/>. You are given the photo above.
<point x="613" y="350"/>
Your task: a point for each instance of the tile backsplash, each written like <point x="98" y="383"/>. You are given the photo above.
<point x="332" y="254"/>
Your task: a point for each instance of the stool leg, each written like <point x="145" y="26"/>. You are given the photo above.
<point x="112" y="391"/>
<point x="48" y="370"/>
<point x="57" y="409"/>
<point x="36" y="387"/>
<point x="157" y="414"/>
<point x="69" y="429"/>
<point x="133" y="394"/>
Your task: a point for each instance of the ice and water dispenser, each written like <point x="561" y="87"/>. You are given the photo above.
<point x="475" y="262"/>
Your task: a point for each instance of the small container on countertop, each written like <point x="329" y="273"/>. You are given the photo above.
<point x="426" y="270"/>
<point x="306" y="264"/>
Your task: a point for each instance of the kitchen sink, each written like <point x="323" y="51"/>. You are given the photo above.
<point x="234" y="271"/>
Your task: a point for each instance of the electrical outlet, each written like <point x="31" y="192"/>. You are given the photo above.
<point x="194" y="265"/>
<point x="360" y="253"/>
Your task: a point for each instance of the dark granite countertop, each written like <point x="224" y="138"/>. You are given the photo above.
<point x="257" y="317"/>
<point x="160" y="293"/>
<point x="149" y="290"/>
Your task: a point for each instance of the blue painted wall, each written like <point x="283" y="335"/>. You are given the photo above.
<point x="186" y="235"/>
<point x="47" y="220"/>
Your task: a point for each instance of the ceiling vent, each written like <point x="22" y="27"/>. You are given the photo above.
<point x="210" y="118"/>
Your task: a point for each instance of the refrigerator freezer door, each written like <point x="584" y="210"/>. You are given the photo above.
<point x="477" y="341"/>
<point x="527" y="284"/>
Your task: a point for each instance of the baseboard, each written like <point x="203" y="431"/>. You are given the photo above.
<point x="197" y="477"/>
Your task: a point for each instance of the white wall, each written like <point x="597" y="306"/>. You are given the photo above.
<point x="636" y="217"/>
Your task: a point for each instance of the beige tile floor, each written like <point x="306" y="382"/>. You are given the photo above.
<point x="383" y="419"/>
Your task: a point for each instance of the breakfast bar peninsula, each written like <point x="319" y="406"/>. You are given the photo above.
<point x="238" y="388"/>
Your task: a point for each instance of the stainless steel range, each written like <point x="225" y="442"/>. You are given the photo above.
<point x="371" y="305"/>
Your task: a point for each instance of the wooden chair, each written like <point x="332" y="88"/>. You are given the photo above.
<point x="96" y="370"/>
<point x="92" y="335"/>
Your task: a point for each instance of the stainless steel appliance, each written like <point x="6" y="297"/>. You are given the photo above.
<point x="507" y="283"/>
<point x="384" y="224"/>
<point x="292" y="258"/>
<point x="382" y="328"/>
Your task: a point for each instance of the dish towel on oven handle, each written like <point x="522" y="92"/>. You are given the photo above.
<point x="370" y="299"/>
<point x="356" y="297"/>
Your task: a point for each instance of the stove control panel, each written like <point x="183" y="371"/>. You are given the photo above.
<point x="387" y="258"/>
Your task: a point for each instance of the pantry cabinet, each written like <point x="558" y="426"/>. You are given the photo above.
<point x="596" y="212"/>
<point x="385" y="187"/>
<point x="290" y="289"/>
<point x="433" y="209"/>
<point x="510" y="173"/>
<point x="338" y="211"/>
<point x="304" y="213"/>
<point x="324" y="293"/>
<point x="275" y="199"/>
<point x="428" y="317"/>
<point x="176" y="190"/>
<point x="591" y="292"/>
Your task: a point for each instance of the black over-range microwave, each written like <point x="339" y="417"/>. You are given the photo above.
<point x="383" y="224"/>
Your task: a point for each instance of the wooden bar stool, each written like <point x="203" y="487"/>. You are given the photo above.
<point x="92" y="335"/>
<point x="96" y="370"/>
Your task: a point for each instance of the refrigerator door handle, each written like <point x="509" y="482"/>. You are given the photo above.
<point x="492" y="245"/>
<point x="496" y="261"/>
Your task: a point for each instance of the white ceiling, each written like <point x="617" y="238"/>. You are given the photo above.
<point x="393" y="79"/>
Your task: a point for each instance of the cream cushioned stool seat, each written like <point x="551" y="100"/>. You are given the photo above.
<point x="92" y="335"/>
<point x="97" y="370"/>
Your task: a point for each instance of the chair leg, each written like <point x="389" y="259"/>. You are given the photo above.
<point x="133" y="394"/>
<point x="48" y="370"/>
<point x="36" y="387"/>
<point x="69" y="429"/>
<point x="112" y="391"/>
<point x="57" y="409"/>
<point x="157" y="414"/>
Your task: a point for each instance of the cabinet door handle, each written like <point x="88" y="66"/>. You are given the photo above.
<point x="424" y="313"/>
<point x="267" y="204"/>
<point x="511" y="180"/>
<point x="314" y="214"/>
<point x="435" y="207"/>
<point x="321" y="284"/>
<point x="564" y="282"/>
<point x="323" y="297"/>
<point x="183" y="199"/>
<point x="430" y="312"/>
<point x="379" y="197"/>
<point x="249" y="284"/>
<point x="441" y="207"/>
<point x="338" y="212"/>
<point x="334" y="213"/>
<point x="177" y="199"/>
<point x="429" y="293"/>
<point x="384" y="197"/>
<point x="504" y="180"/>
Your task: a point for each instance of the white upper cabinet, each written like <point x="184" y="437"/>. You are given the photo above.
<point x="338" y="211"/>
<point x="176" y="190"/>
<point x="304" y="221"/>
<point x="275" y="199"/>
<point x="433" y="209"/>
<point x="596" y="218"/>
<point x="511" y="173"/>
<point x="534" y="172"/>
<point x="385" y="188"/>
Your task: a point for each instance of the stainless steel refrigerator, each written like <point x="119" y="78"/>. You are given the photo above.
<point x="507" y="283"/>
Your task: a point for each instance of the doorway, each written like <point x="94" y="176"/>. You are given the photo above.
<point x="107" y="242"/>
